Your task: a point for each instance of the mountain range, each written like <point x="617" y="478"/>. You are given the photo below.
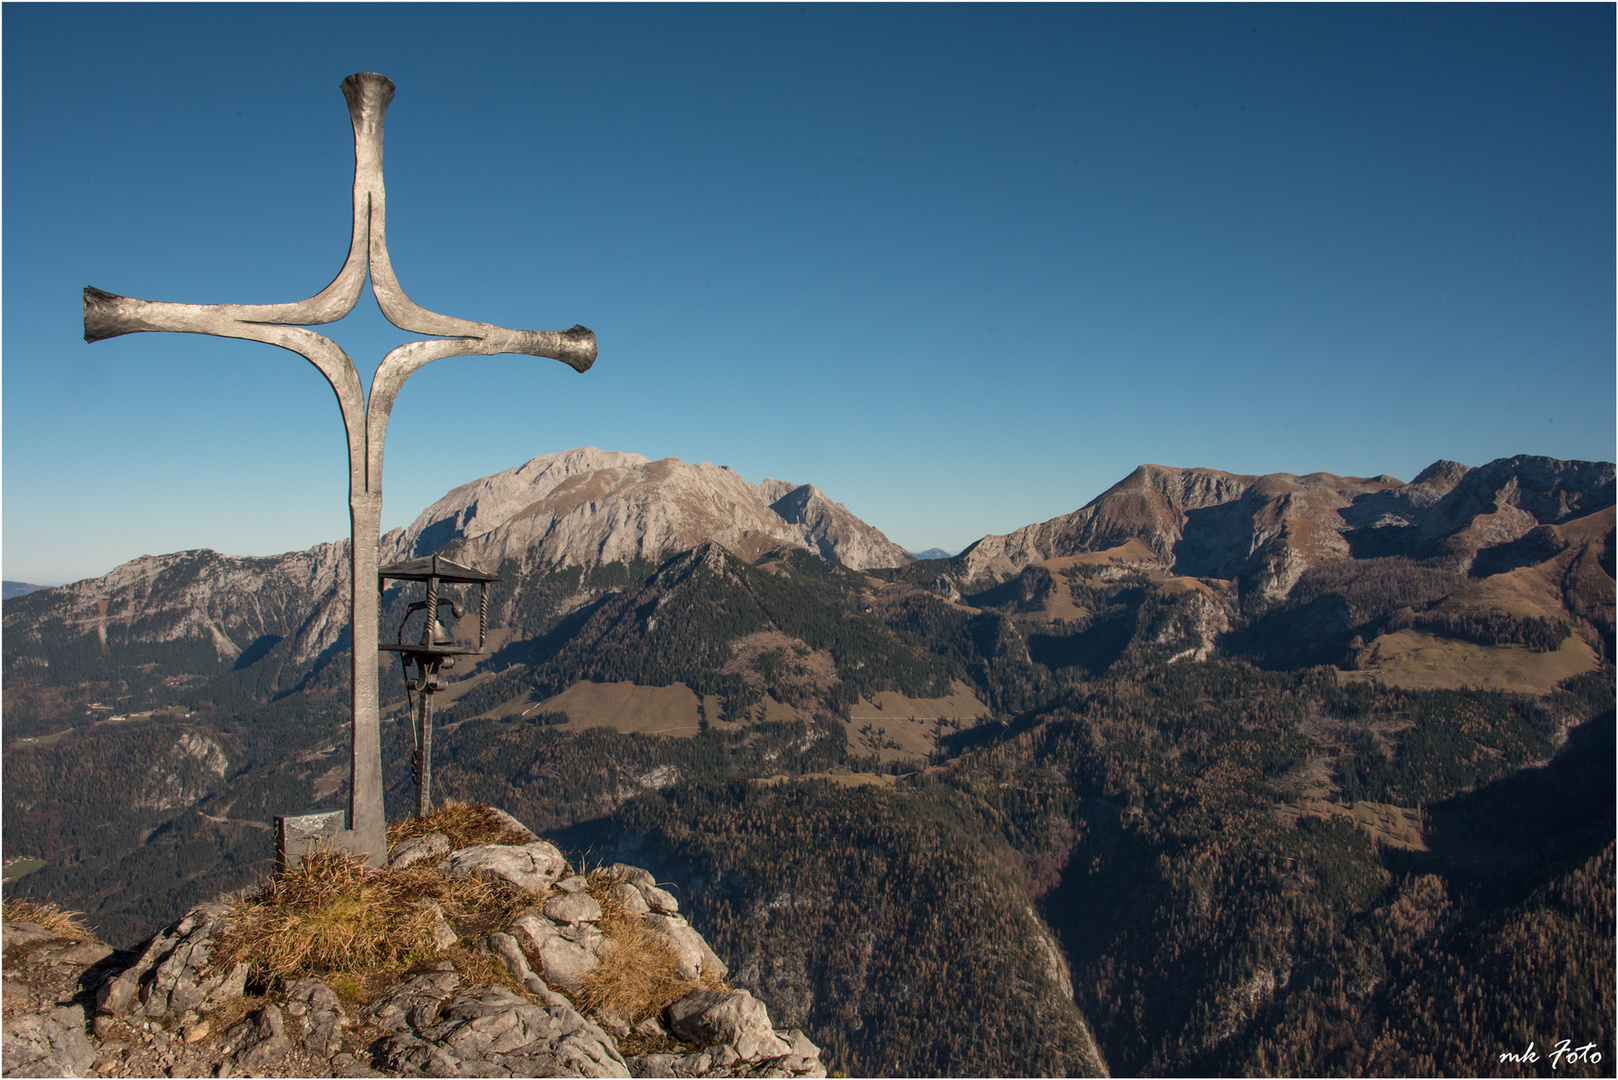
<point x="1285" y="702"/>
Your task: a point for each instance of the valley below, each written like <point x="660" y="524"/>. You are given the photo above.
<point x="1218" y="774"/>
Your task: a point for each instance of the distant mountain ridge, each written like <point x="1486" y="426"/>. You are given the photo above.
<point x="931" y="553"/>
<point x="589" y="508"/>
<point x="1268" y="530"/>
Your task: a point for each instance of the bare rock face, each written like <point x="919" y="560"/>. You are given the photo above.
<point x="419" y="849"/>
<point x="490" y="1031"/>
<point x="828" y="529"/>
<point x="1267" y="530"/>
<point x="1506" y="499"/>
<point x="323" y="1016"/>
<point x="258" y="1042"/>
<point x="49" y="991"/>
<point x="47" y="1044"/>
<point x="1198" y="522"/>
<point x="591" y="506"/>
<point x="231" y="603"/>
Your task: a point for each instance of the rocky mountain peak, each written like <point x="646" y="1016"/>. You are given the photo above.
<point x="828" y="528"/>
<point x="1440" y="477"/>
<point x="588" y="506"/>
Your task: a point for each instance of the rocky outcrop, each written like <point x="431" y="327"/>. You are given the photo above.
<point x="46" y="1000"/>
<point x="78" y="1008"/>
<point x="175" y="973"/>
<point x="440" y="1030"/>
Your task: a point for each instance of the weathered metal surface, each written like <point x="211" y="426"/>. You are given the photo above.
<point x="435" y="650"/>
<point x="426" y="566"/>
<point x="109" y="315"/>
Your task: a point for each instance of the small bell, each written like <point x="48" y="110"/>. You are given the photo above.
<point x="435" y="634"/>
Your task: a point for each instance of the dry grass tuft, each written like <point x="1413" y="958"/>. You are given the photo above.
<point x="331" y="915"/>
<point x="232" y="1012"/>
<point x="483" y="969"/>
<point x="53" y="918"/>
<point x="638" y="978"/>
<point x="466" y="824"/>
<point x="361" y="929"/>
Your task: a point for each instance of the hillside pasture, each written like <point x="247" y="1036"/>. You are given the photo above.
<point x="1412" y="660"/>
<point x="894" y="727"/>
<point x="626" y="707"/>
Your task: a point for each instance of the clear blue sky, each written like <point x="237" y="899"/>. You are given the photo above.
<point x="963" y="267"/>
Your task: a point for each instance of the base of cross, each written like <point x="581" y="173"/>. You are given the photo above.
<point x="300" y="835"/>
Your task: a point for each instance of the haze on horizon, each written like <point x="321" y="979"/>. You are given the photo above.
<point x="961" y="267"/>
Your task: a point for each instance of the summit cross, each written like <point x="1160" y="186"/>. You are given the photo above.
<point x="108" y="315"/>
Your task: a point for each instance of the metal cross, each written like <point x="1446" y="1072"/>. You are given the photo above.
<point x="109" y="315"/>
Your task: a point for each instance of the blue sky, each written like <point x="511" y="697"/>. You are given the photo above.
<point x="964" y="267"/>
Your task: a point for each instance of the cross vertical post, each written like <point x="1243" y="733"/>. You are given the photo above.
<point x="109" y="315"/>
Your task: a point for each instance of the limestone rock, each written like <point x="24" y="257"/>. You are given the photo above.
<point x="631" y="899"/>
<point x="660" y="900"/>
<point x="444" y="934"/>
<point x="53" y="1043"/>
<point x="634" y="875"/>
<point x="174" y="973"/>
<point x="734" y="1017"/>
<point x="589" y="506"/>
<point x="536" y="928"/>
<point x="407" y="1055"/>
<point x="416" y="1003"/>
<point x="492" y="1032"/>
<point x="531" y="866"/>
<point x="693" y="954"/>
<point x="567" y="954"/>
<point x="828" y="528"/>
<point x="573" y="908"/>
<point x="510" y="953"/>
<point x="259" y="1041"/>
<point x="21" y="933"/>
<point x="513" y="824"/>
<point x="419" y="849"/>
<point x="323" y="1016"/>
<point x="566" y="963"/>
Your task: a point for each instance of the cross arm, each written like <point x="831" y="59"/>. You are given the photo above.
<point x="108" y="315"/>
<point x="577" y="349"/>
